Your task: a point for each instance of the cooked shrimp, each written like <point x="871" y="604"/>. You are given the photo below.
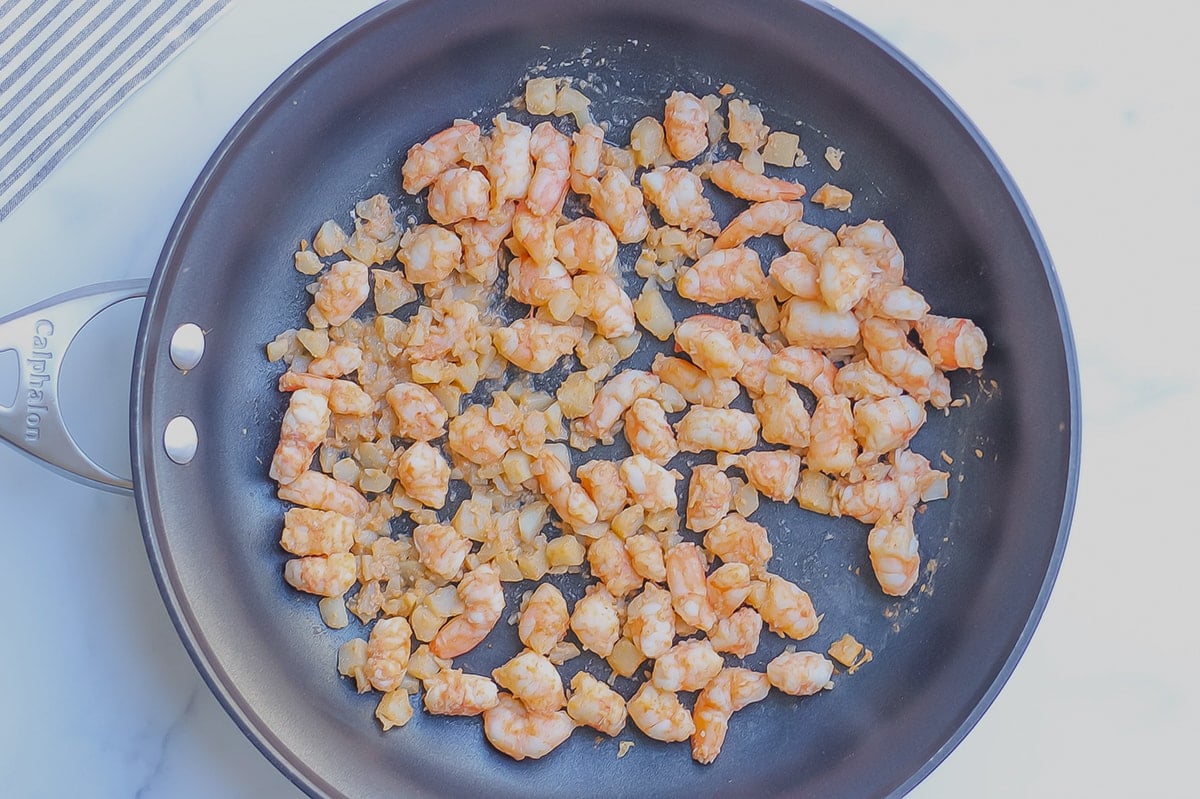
<point x="730" y="691"/>
<point x="812" y="240"/>
<point x="882" y="425"/>
<point x="337" y="360"/>
<point x="888" y="349"/>
<point x="534" y="345"/>
<point x="424" y="474"/>
<point x="475" y="438"/>
<point x="602" y="481"/>
<point x="783" y="417"/>
<point x="586" y="245"/>
<point x="832" y="446"/>
<point x="810" y="323"/>
<point x="520" y="732"/>
<point x="693" y="383"/>
<point x="614" y="398"/>
<point x="551" y="153"/>
<point x="483" y="603"/>
<point x="761" y="219"/>
<point x="738" y="634"/>
<point x="480" y="240"/>
<point x="660" y="714"/>
<point x="566" y="496"/>
<point x="439" y="152"/>
<point x="796" y="275"/>
<point x="685" y="123"/>
<point x="602" y="300"/>
<point x="773" y="473"/>
<point x="330" y="575"/>
<point x="952" y="343"/>
<point x="618" y="203"/>
<point x="458" y="194"/>
<point x="728" y="587"/>
<point x="587" y="146"/>
<point x="611" y="565"/>
<point x="544" y="621"/>
<point x="686" y="666"/>
<point x="649" y="485"/>
<point x="307" y="531"/>
<point x="345" y="396"/>
<point x="689" y="591"/>
<point x="648" y="431"/>
<point x="535" y="234"/>
<point x="534" y="680"/>
<point x="595" y="622"/>
<point x="724" y="276"/>
<point x="870" y="500"/>
<point x="441" y="549"/>
<point x="533" y="284"/>
<point x="894" y="553"/>
<point x="785" y="607"/>
<point x="906" y="480"/>
<point x="800" y="673"/>
<point x="744" y="184"/>
<point x="845" y="274"/>
<point x="508" y="161"/>
<point x="679" y="197"/>
<point x="717" y="429"/>
<point x="650" y="620"/>
<point x="756" y="356"/>
<point x="316" y="490"/>
<point x="708" y="341"/>
<point x="646" y="555"/>
<point x="450" y="692"/>
<point x="939" y="389"/>
<point x="892" y="302"/>
<point x="595" y="705"/>
<point x="736" y="539"/>
<point x="859" y="380"/>
<point x="419" y="414"/>
<point x="709" y="497"/>
<point x="388" y="650"/>
<point x="305" y="423"/>
<point x="808" y="367"/>
<point x="429" y="254"/>
<point x="874" y="239"/>
<point x="341" y="290"/>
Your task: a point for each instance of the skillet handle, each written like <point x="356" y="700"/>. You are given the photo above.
<point x="40" y="335"/>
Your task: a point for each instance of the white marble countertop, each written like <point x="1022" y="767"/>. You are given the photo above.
<point x="1092" y="107"/>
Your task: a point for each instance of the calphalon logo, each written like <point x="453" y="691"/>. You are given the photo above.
<point x="37" y="379"/>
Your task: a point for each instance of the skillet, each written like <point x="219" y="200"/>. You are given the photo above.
<point x="330" y="132"/>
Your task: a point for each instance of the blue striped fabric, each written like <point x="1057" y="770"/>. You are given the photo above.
<point x="67" y="64"/>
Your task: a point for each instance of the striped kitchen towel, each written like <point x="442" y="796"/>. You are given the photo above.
<point x="67" y="64"/>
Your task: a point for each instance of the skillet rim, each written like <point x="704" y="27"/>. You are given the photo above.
<point x="143" y="452"/>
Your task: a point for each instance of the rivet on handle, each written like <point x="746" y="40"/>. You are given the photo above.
<point x="180" y="440"/>
<point x="187" y="346"/>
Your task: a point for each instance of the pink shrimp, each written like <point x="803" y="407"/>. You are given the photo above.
<point x="744" y="184"/>
<point x="436" y="154"/>
<point x="760" y="219"/>
<point x="551" y="153"/>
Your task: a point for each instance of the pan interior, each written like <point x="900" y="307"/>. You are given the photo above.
<point x="333" y="131"/>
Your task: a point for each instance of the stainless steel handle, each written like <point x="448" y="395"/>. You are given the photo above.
<point x="41" y="335"/>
